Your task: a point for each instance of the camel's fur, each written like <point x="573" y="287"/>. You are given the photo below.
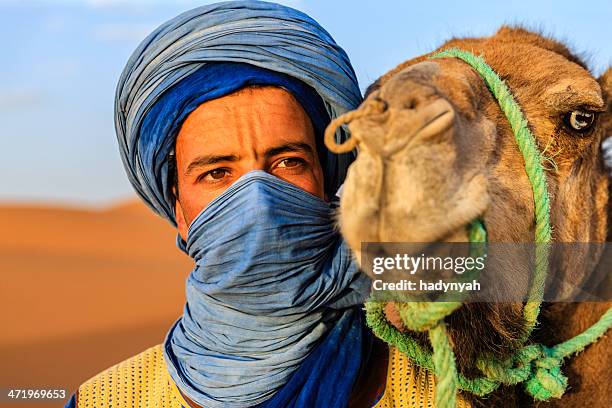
<point x="435" y="183"/>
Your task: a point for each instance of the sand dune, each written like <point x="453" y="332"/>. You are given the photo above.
<point x="82" y="290"/>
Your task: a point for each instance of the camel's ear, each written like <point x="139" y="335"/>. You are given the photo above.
<point x="605" y="81"/>
<point x="374" y="86"/>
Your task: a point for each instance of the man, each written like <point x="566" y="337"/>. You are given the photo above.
<point x="220" y="115"/>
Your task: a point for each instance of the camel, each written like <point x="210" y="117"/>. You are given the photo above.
<point x="436" y="152"/>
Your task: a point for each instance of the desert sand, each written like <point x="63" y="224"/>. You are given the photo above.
<point x="82" y="290"/>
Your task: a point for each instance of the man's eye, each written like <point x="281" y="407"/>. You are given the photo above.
<point x="214" y="175"/>
<point x="291" y="162"/>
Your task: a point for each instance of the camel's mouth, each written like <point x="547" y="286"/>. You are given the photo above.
<point x="411" y="213"/>
<point x="447" y="222"/>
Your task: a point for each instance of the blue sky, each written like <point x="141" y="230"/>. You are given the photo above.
<point x="61" y="61"/>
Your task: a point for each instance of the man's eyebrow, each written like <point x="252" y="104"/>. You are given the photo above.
<point x="207" y="160"/>
<point x="201" y="161"/>
<point x="288" y="147"/>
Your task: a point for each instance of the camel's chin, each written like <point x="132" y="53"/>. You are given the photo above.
<point x="372" y="230"/>
<point x="367" y="243"/>
<point x="443" y="230"/>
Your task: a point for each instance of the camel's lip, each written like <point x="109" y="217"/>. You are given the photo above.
<point x="457" y="231"/>
<point x="451" y="234"/>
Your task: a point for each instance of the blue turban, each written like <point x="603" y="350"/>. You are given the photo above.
<point x="265" y="35"/>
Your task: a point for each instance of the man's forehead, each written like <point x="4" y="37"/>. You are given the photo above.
<point x="262" y="103"/>
<point x="255" y="122"/>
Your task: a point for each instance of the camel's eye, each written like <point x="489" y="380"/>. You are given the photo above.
<point x="579" y="121"/>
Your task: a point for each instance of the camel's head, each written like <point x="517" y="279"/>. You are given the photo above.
<point x="436" y="152"/>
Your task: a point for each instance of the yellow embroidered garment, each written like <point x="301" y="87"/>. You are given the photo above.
<point x="409" y="385"/>
<point x="143" y="381"/>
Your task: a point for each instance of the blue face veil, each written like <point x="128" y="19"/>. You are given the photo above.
<point x="272" y="315"/>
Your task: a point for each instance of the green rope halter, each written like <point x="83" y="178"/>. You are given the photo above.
<point x="535" y="365"/>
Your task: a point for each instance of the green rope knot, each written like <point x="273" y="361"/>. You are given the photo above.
<point x="423" y="316"/>
<point x="534" y="365"/>
<point x="546" y="380"/>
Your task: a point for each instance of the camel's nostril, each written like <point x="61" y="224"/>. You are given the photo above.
<point x="433" y="118"/>
<point x="380" y="104"/>
<point x="411" y="103"/>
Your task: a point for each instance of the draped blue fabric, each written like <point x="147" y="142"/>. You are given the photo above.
<point x="262" y="34"/>
<point x="272" y="278"/>
<point x="327" y="376"/>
